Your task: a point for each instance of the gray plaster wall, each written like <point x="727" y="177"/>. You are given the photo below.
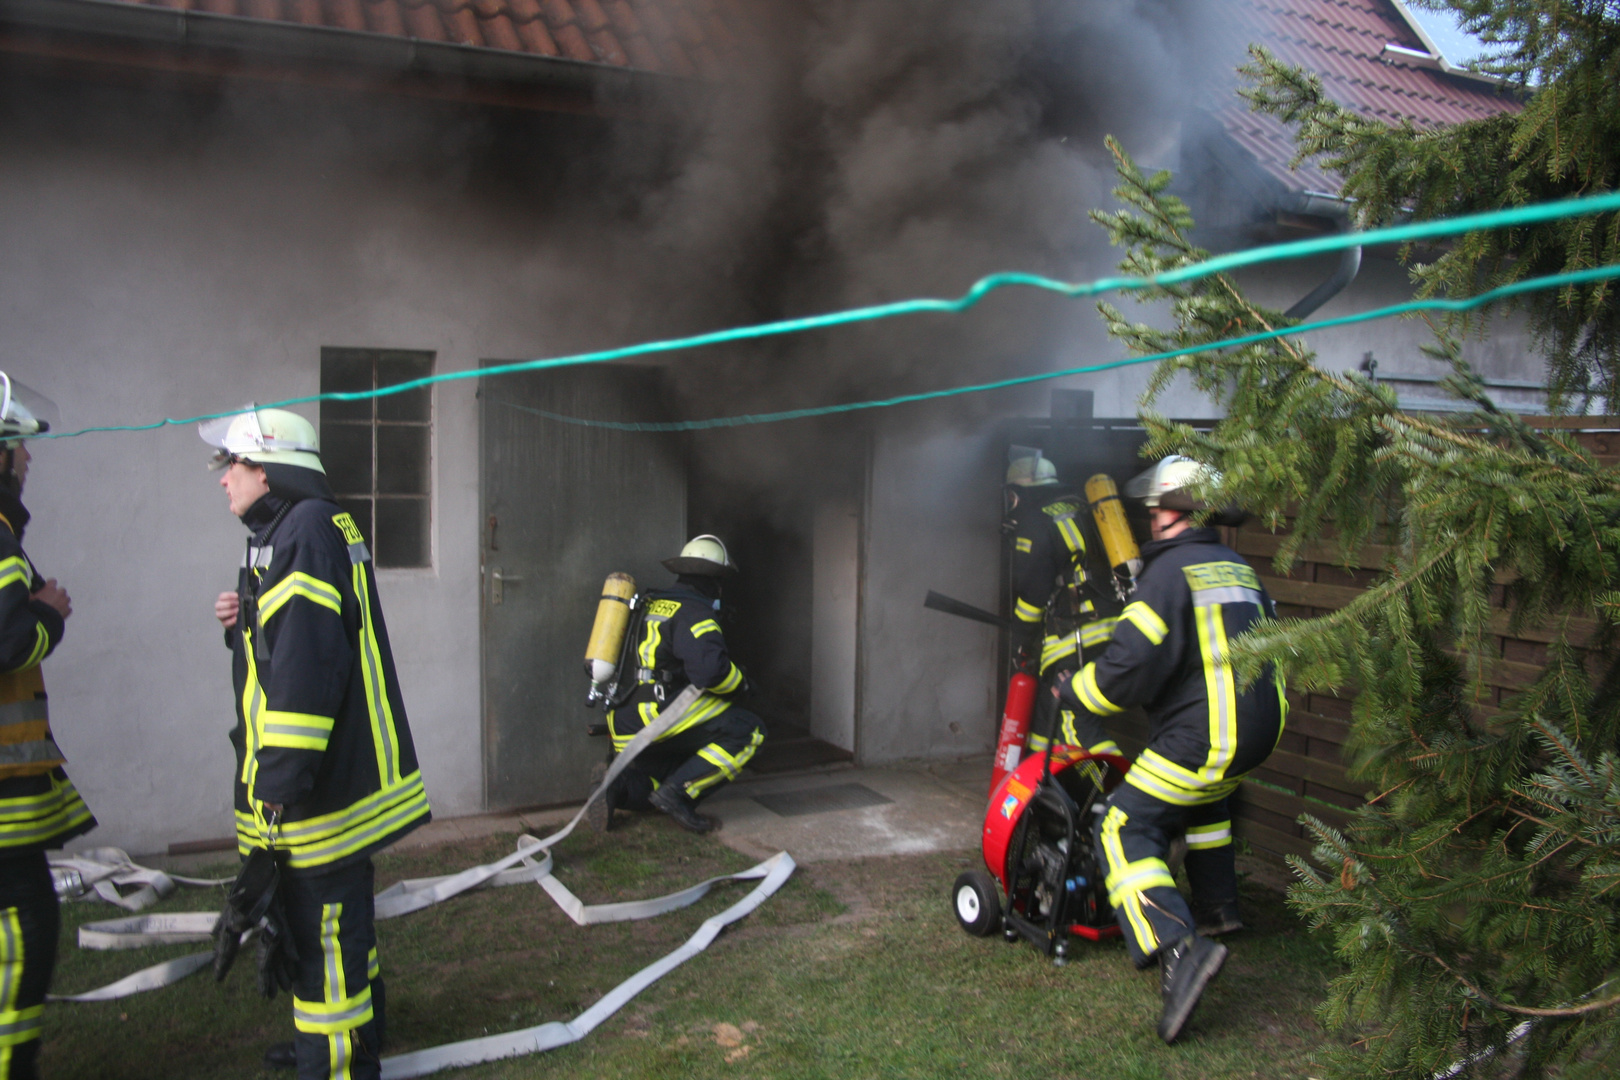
<point x="148" y="277"/>
<point x="933" y="521"/>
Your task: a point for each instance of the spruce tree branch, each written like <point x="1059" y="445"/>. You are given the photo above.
<point x="1549" y="826"/>
<point x="1521" y="1010"/>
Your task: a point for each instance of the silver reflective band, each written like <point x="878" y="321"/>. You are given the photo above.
<point x="29" y="753"/>
<point x="1226" y="594"/>
<point x="268" y="553"/>
<point x="22" y="712"/>
<point x="358" y="553"/>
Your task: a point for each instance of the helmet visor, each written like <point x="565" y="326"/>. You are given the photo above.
<point x="238" y="433"/>
<point x="1140" y="486"/>
<point x="25" y="412"/>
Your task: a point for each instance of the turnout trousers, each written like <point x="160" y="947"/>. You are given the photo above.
<point x="29" y="923"/>
<point x="696" y="760"/>
<point x="338" y="995"/>
<point x="1159" y="801"/>
<point x="1134" y="837"/>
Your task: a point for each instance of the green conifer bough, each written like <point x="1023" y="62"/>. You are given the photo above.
<point x="1562" y="57"/>
<point x="1480" y="888"/>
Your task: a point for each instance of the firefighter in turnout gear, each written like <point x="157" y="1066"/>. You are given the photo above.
<point x="678" y="643"/>
<point x="326" y="771"/>
<point x="39" y="808"/>
<point x="1061" y="619"/>
<point x="1168" y="655"/>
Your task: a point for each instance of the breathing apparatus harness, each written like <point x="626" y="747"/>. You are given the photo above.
<point x="665" y="682"/>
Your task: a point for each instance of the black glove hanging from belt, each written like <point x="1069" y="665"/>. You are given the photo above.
<point x="254" y="903"/>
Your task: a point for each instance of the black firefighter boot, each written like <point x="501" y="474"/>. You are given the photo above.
<point x="1185" y="968"/>
<point x="1218" y="920"/>
<point x="599" y="815"/>
<point x="679" y="807"/>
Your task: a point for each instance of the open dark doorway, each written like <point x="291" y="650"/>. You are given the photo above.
<point x="764" y="501"/>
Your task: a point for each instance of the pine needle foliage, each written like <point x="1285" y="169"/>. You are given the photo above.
<point x="1480" y="887"/>
<point x="1562" y="59"/>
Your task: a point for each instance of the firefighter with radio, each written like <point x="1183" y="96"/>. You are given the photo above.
<point x="1168" y="655"/>
<point x="677" y="643"/>
<point x="326" y="771"/>
<point x="39" y="807"/>
<point x="1060" y="616"/>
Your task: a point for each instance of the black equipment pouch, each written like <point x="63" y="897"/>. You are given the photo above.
<point x="254" y="903"/>
<point x="249" y="898"/>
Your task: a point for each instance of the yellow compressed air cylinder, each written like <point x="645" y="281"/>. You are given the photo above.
<point x="607" y="633"/>
<point x="1109" y="514"/>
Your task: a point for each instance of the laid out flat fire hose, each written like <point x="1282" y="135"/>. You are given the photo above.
<point x="415" y="894"/>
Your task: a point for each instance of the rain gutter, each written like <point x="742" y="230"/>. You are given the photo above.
<point x="1337" y="210"/>
<point x="377" y="54"/>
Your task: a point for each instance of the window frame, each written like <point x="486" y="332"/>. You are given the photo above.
<point x="374" y="425"/>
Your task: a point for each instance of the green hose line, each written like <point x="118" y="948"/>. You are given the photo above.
<point x="1530" y="285"/>
<point x="1399" y="234"/>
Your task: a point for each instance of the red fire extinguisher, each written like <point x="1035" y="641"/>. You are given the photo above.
<point x="1014" y="727"/>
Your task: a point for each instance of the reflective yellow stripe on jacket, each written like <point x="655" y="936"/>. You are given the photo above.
<point x="319" y="840"/>
<point x="26" y="820"/>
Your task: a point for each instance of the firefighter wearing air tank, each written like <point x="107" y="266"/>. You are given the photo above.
<point x="1057" y="615"/>
<point x="678" y="643"/>
<point x="39" y="807"/>
<point x="1168" y="655"/>
<point x="326" y="771"/>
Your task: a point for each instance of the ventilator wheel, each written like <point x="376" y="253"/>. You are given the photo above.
<point x="977" y="902"/>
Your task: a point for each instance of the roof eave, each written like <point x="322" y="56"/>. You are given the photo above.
<point x="383" y="55"/>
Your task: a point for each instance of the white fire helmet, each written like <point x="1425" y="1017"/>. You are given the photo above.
<point x="23" y="413"/>
<point x="705" y="555"/>
<point x="263" y="437"/>
<point x="1031" y="469"/>
<point x="1165" y="484"/>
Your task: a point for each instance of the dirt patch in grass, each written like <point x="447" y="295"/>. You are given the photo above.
<point x="854" y="969"/>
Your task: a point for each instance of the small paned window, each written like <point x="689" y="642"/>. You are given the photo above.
<point x="378" y="451"/>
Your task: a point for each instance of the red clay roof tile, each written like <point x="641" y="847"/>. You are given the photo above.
<point x="499" y="33"/>
<point x="463" y="26"/>
<point x="558" y="13"/>
<point x="607" y="48"/>
<point x="385" y="17"/>
<point x="572" y="42"/>
<point x="591" y="16"/>
<point x="347" y="14"/>
<point x="1343" y="41"/>
<point x="423" y="21"/>
<point x="537" y="39"/>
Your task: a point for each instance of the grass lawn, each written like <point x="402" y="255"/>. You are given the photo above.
<point x="854" y="969"/>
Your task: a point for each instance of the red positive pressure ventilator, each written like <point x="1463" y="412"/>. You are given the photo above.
<point x="1014" y="727"/>
<point x="1044" y="882"/>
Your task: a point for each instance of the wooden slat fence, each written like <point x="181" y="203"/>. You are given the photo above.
<point x="1306" y="774"/>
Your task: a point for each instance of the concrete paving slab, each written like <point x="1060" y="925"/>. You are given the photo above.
<point x="926" y="807"/>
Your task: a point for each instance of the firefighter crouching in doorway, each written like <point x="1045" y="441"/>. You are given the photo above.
<point x="1168" y="654"/>
<point x="326" y="770"/>
<point x="678" y="643"/>
<point x="39" y="807"/>
<point x="1058" y="617"/>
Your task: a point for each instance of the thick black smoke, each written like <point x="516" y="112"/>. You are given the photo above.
<point x="906" y="148"/>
